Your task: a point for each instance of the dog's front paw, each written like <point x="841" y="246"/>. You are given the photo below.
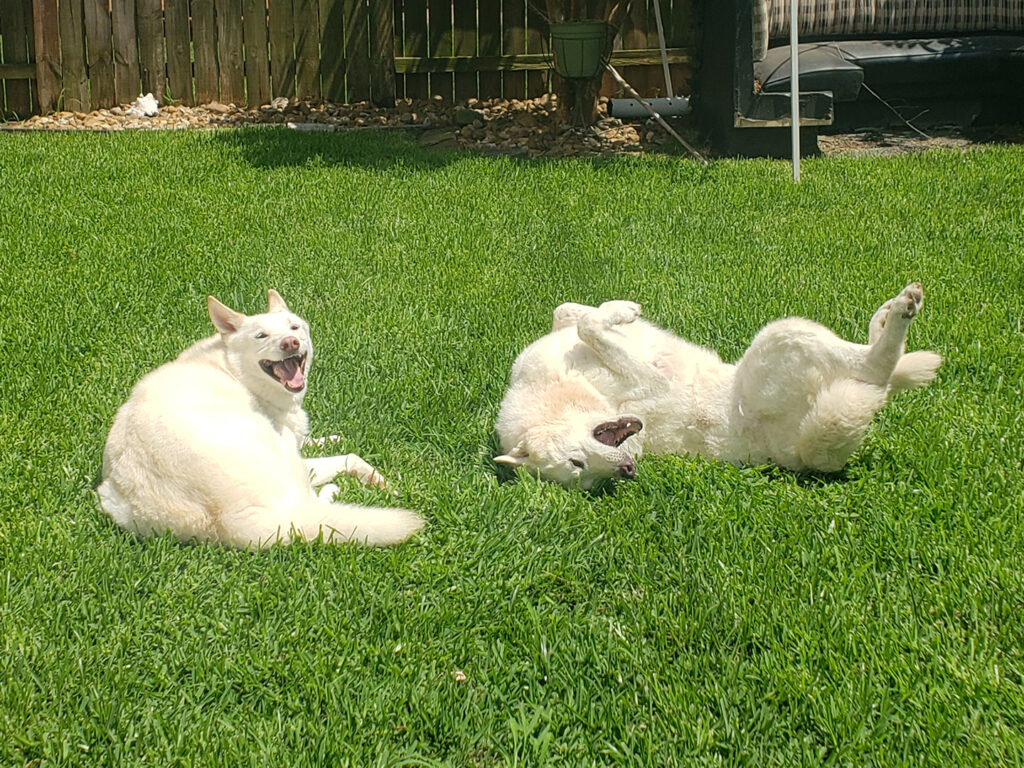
<point x="365" y="473"/>
<point x="619" y="312"/>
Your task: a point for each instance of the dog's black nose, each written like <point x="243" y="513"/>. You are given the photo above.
<point x="627" y="469"/>
<point x="289" y="344"/>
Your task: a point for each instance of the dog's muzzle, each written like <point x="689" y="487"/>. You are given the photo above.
<point x="626" y="469"/>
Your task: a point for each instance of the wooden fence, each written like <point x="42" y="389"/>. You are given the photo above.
<point x="79" y="55"/>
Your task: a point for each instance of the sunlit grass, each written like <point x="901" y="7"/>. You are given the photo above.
<point x="703" y="614"/>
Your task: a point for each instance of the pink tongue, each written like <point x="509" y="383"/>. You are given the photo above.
<point x="290" y="373"/>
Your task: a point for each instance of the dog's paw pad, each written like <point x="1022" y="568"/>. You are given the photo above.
<point x="910" y="300"/>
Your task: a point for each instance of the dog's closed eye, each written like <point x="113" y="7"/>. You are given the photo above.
<point x="578" y="463"/>
<point x="261" y="335"/>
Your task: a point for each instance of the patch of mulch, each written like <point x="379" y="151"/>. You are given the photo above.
<point x="896" y="142"/>
<point x="526" y="128"/>
<point x="517" y="127"/>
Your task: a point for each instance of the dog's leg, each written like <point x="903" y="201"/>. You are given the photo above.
<point x="599" y="330"/>
<point x="325" y="469"/>
<point x="835" y="425"/>
<point x="568" y="314"/>
<point x="887" y="334"/>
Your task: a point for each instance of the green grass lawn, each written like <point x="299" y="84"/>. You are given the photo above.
<point x="701" y="615"/>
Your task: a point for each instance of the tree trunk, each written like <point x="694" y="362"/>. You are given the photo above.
<point x="577" y="100"/>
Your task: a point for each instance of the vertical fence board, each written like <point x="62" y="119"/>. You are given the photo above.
<point x="307" y="39"/>
<point x="439" y="22"/>
<point x="282" y="48"/>
<point x="100" y="53"/>
<point x="15" y="23"/>
<point x="414" y="43"/>
<point x="75" y="84"/>
<point x="464" y="44"/>
<point x="149" y="18"/>
<point x="357" y="52"/>
<point x="126" y="51"/>
<point x="204" y="43"/>
<point x="536" y="42"/>
<point x="179" y="59"/>
<point x="513" y="21"/>
<point x="332" y="50"/>
<point x="47" y="39"/>
<point x="489" y="43"/>
<point x="382" y="52"/>
<point x="229" y="50"/>
<point x="257" y="60"/>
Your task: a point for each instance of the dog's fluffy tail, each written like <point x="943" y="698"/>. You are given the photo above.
<point x="914" y="369"/>
<point x="373" y="526"/>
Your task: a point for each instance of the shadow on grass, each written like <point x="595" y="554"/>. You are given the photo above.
<point x="808" y="479"/>
<point x="278" y="147"/>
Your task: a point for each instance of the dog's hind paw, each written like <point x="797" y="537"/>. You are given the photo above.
<point x="619" y="312"/>
<point x="910" y="300"/>
<point x="902" y="308"/>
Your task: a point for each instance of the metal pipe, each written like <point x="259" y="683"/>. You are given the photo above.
<point x="794" y="87"/>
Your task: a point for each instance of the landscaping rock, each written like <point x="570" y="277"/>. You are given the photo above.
<point x="517" y="127"/>
<point x="466" y="116"/>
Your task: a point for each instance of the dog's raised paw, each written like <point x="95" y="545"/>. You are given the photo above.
<point x="911" y="300"/>
<point x="619" y="312"/>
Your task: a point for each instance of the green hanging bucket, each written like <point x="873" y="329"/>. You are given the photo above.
<point x="578" y="47"/>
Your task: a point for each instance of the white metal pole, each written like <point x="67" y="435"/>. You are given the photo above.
<point x="794" y="87"/>
<point x="664" y="56"/>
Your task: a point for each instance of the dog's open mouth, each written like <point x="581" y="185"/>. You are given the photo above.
<point x="291" y="371"/>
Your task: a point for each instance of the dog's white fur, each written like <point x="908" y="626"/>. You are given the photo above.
<point x="604" y="385"/>
<point x="207" y="445"/>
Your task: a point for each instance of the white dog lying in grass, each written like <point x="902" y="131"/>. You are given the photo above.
<point x="207" y="445"/>
<point x="584" y="400"/>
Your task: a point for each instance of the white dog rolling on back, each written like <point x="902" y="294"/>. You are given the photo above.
<point x="207" y="445"/>
<point x="604" y="385"/>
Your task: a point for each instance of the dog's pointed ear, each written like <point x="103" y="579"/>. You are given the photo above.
<point x="224" y="319"/>
<point x="274" y="301"/>
<point x="514" y="458"/>
<point x="614" y="433"/>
